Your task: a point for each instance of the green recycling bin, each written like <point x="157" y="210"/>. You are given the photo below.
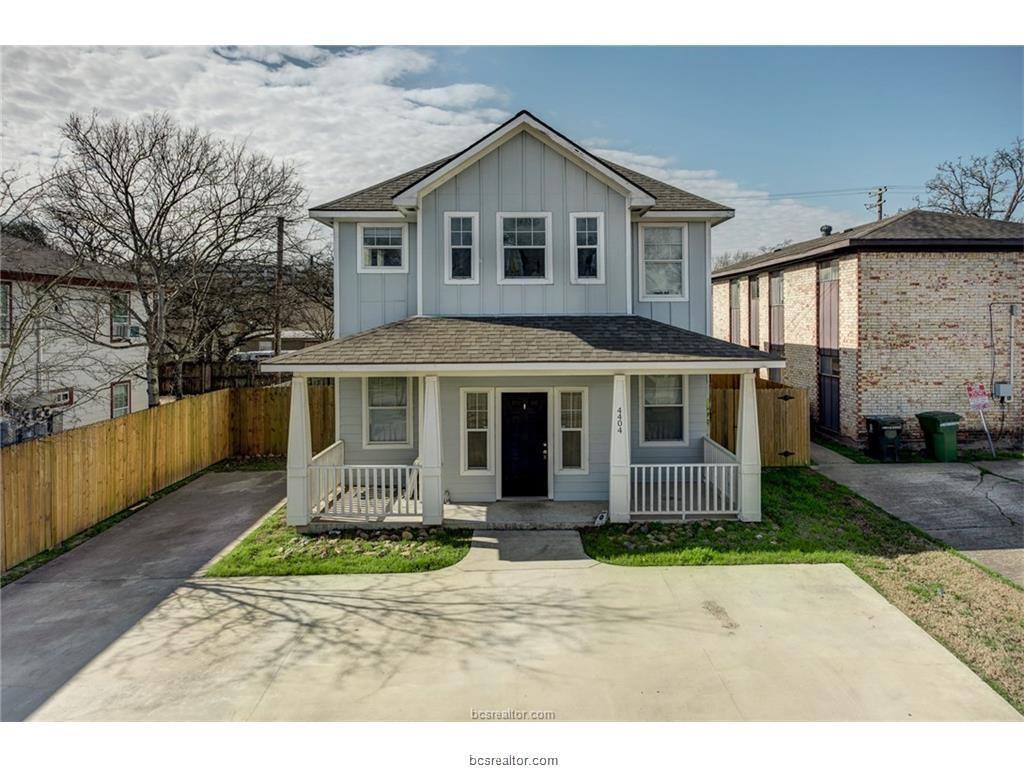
<point x="939" y="429"/>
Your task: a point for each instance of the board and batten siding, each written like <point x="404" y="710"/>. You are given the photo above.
<point x="592" y="486"/>
<point x="526" y="175"/>
<point x="696" y="425"/>
<point x="691" y="313"/>
<point x="366" y="300"/>
<point x="349" y="427"/>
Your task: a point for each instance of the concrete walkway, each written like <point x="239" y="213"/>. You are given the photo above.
<point x="527" y="622"/>
<point x="978" y="512"/>
<point x="59" y="618"/>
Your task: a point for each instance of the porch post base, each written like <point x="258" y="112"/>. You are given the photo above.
<point x="748" y="450"/>
<point x="432" y="499"/>
<point x="618" y="474"/>
<point x="300" y="452"/>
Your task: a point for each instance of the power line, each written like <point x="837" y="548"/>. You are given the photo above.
<point x="822" y="193"/>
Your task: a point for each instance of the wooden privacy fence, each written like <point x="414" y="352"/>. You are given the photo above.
<point x="55" y="487"/>
<point x="783" y="420"/>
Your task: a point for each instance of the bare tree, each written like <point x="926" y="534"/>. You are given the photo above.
<point x="987" y="187"/>
<point x="175" y="207"/>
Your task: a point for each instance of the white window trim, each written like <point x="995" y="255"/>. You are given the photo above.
<point x="574" y="263"/>
<point x="474" y="278"/>
<point x="686" y="262"/>
<point x="584" y="468"/>
<point x="362" y="268"/>
<point x="686" y="417"/>
<point x="367" y="445"/>
<point x="463" y="448"/>
<point x="548" y="270"/>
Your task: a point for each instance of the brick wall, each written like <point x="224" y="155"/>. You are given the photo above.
<point x="720" y="310"/>
<point x="800" y="298"/>
<point x="924" y="333"/>
<point x="849" y="348"/>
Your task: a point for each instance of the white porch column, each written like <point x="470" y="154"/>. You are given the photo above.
<point x="748" y="450"/>
<point x="430" y="454"/>
<point x="618" y="481"/>
<point x="300" y="451"/>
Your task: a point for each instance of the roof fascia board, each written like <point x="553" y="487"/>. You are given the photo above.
<point x="523" y="369"/>
<point x="410" y="196"/>
<point x="328" y="217"/>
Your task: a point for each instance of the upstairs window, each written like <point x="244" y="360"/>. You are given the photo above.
<point x="382" y="248"/>
<point x="587" y="247"/>
<point x="754" y="311"/>
<point x="120" y="316"/>
<point x="663" y="411"/>
<point x="524" y="248"/>
<point x="460" y="254"/>
<point x="734" y="311"/>
<point x="663" y="262"/>
<point x="387" y="422"/>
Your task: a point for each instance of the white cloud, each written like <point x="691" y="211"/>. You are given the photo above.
<point x="345" y="118"/>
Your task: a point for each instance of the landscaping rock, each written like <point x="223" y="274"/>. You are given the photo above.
<point x="719" y="529"/>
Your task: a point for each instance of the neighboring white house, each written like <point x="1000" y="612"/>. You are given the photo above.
<point x="69" y="341"/>
<point x="521" y="320"/>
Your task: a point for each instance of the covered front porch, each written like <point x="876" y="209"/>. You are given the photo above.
<point x="618" y="434"/>
<point x="326" y="491"/>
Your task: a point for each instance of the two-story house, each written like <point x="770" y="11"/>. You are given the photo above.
<point x="521" y="320"/>
<point x="71" y="348"/>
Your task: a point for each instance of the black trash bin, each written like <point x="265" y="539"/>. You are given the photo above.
<point x="884" y="437"/>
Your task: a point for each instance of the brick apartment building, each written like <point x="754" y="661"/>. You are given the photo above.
<point x="892" y="317"/>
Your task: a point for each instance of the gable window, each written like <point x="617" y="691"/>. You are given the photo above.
<point x="460" y="250"/>
<point x="7" y="310"/>
<point x="524" y="248"/>
<point x="120" y="399"/>
<point x="120" y="316"/>
<point x="477" y="436"/>
<point x="587" y="247"/>
<point x="387" y="419"/>
<point x="663" y="262"/>
<point x="663" y="411"/>
<point x="571" y="437"/>
<point x="382" y="248"/>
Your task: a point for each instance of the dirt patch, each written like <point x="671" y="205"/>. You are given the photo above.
<point x="978" y="617"/>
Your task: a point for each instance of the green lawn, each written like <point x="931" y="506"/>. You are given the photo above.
<point x="275" y="549"/>
<point x="807" y="518"/>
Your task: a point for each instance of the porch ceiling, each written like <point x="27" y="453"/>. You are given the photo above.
<point x="537" y="341"/>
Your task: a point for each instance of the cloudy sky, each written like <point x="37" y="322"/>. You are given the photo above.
<point x="789" y="137"/>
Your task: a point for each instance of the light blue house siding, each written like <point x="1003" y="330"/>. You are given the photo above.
<point x="692" y="313"/>
<point x="524" y="174"/>
<point x="366" y="300"/>
<point x="592" y="486"/>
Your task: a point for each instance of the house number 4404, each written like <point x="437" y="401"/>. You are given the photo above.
<point x="618" y="419"/>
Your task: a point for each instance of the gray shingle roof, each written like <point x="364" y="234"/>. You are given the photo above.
<point x="522" y="339"/>
<point x="20" y="257"/>
<point x="378" y="197"/>
<point x="903" y="228"/>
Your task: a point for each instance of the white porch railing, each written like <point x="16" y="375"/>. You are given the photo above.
<point x="711" y="487"/>
<point x="365" y="490"/>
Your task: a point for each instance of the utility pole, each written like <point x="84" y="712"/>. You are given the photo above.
<point x="277" y="285"/>
<point x="879" y="200"/>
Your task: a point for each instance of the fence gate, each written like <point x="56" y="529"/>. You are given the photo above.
<point x="828" y="346"/>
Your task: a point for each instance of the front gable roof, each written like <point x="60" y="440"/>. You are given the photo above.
<point x="398" y="192"/>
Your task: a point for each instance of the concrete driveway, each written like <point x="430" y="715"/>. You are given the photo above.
<point x="527" y="623"/>
<point x="59" y="618"/>
<point x="976" y="508"/>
